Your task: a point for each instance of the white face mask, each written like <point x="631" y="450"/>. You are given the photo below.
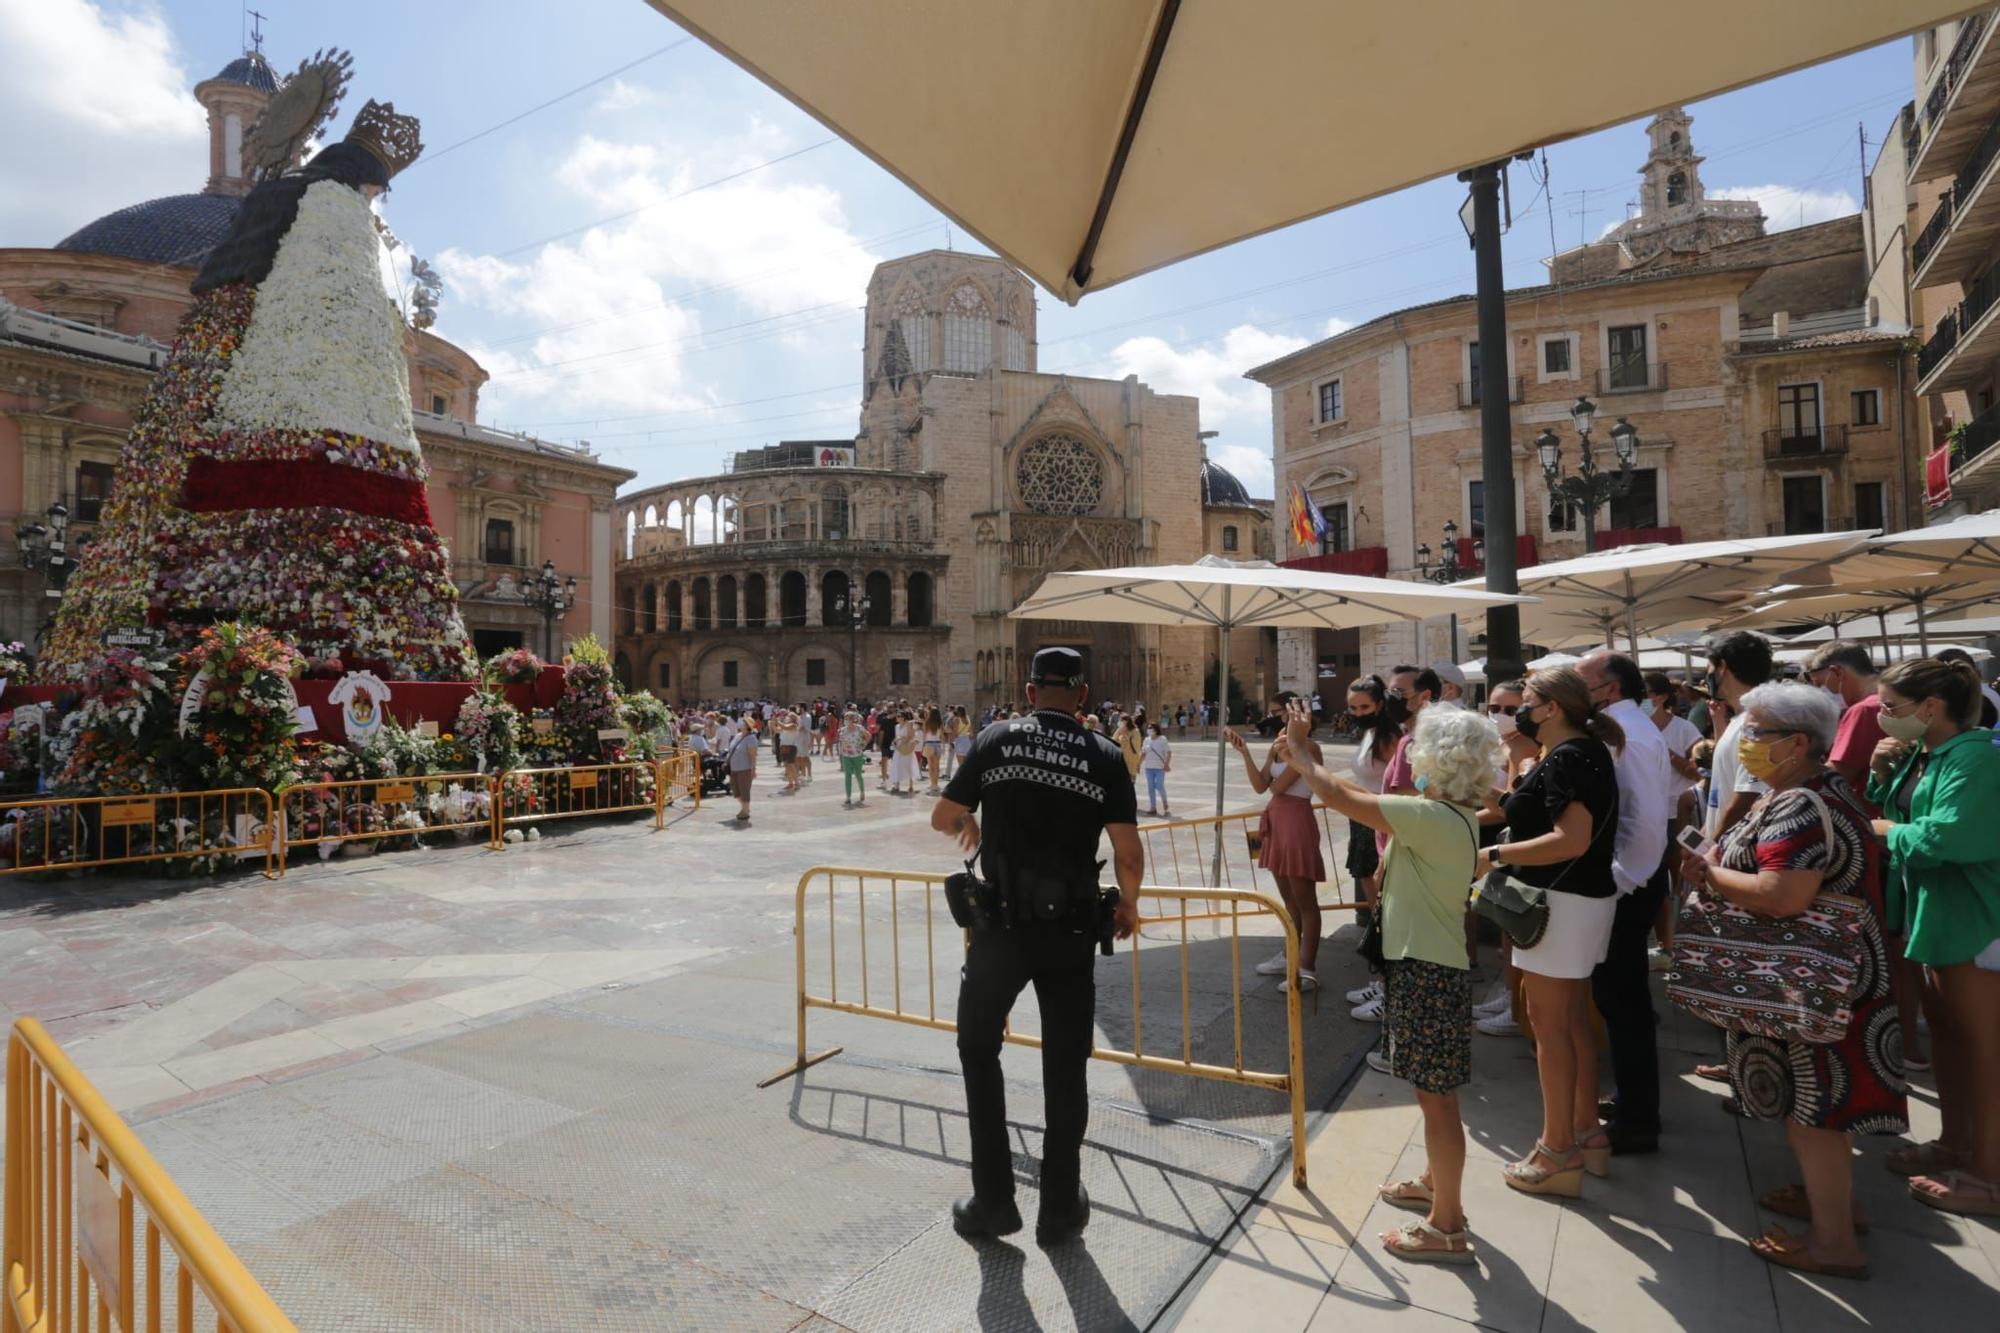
<point x="1504" y="721"/>
<point x="1647" y="707"/>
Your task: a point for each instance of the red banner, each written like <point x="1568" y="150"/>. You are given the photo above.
<point x="215" y="484"/>
<point x="1937" y="476"/>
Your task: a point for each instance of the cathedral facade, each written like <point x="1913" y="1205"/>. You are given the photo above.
<point x="899" y="552"/>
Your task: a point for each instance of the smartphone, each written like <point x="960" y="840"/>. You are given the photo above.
<point x="1691" y="840"/>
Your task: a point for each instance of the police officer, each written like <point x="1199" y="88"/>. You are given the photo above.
<point x="1048" y="788"/>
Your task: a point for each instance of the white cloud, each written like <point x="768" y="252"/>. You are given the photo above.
<point x="101" y="116"/>
<point x="1336" y="326"/>
<point x="1213" y="373"/>
<point x="623" y="96"/>
<point x="609" y="309"/>
<point x="1786" y="206"/>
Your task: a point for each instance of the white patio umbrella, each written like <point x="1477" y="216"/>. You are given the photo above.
<point x="1088" y="141"/>
<point x="1547" y="660"/>
<point x="1224" y="595"/>
<point x="1945" y="567"/>
<point x="1657" y="587"/>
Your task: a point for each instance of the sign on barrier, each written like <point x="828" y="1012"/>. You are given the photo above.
<point x="95" y="1234"/>
<point x="89" y="832"/>
<point x="1232" y="905"/>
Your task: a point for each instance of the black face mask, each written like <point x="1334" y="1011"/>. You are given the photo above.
<point x="1395" y="711"/>
<point x="1526" y="723"/>
<point x="1364" y="718"/>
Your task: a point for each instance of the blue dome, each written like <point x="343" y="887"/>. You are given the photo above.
<point x="179" y="229"/>
<point x="252" y="71"/>
<point x="1220" y="487"/>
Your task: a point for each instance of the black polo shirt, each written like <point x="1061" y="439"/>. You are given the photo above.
<point x="1047" y="788"/>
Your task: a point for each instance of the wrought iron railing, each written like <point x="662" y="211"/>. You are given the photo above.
<point x="1953" y="325"/>
<point x="1632" y="376"/>
<point x="1952" y="203"/>
<point x="1977" y="436"/>
<point x="1970" y="31"/>
<point x="1789" y="442"/>
<point x="1468" y="391"/>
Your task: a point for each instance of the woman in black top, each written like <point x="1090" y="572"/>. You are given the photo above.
<point x="1561" y="825"/>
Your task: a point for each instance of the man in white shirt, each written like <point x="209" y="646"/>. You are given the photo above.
<point x="1620" y="984"/>
<point x="1738" y="663"/>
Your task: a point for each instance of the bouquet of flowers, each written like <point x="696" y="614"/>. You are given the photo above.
<point x="489" y="727"/>
<point x="513" y="666"/>
<point x="122" y="736"/>
<point x="395" y="751"/>
<point x="13" y="661"/>
<point x="543" y="747"/>
<point x="244" y="724"/>
<point x="644" y="715"/>
<point x="589" y="704"/>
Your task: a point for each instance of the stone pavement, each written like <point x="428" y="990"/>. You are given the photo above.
<point x="1659" y="1245"/>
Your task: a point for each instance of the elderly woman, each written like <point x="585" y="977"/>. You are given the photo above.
<point x="1810" y="835"/>
<point x="1944" y="894"/>
<point x="1426" y="878"/>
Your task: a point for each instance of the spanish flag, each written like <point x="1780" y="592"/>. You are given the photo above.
<point x="1303" y="534"/>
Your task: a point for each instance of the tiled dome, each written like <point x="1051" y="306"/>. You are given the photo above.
<point x="252" y="71"/>
<point x="179" y="229"/>
<point x="1220" y="487"/>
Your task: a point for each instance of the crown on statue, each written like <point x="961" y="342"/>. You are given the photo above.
<point x="395" y="140"/>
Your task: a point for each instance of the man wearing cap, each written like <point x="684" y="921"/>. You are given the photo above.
<point x="1049" y="789"/>
<point x="1451" y="682"/>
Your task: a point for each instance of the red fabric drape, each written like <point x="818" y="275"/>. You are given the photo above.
<point x="215" y="484"/>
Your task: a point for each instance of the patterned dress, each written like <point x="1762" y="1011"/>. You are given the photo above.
<point x="1855" y="1084"/>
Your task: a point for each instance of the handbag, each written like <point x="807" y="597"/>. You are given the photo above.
<point x="1519" y="908"/>
<point x="1793" y="978"/>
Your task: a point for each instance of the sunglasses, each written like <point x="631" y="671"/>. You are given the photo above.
<point x="1503" y="710"/>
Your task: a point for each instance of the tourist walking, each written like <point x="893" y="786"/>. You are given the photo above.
<point x="1130" y="744"/>
<point x="903" y="762"/>
<point x="1427" y="1024"/>
<point x="741" y="757"/>
<point x="1807" y="839"/>
<point x="851" y="745"/>
<point x="1156" y="761"/>
<point x="1288" y="847"/>
<point x="1560" y="826"/>
<point x="933" y="744"/>
<point x="1943" y="840"/>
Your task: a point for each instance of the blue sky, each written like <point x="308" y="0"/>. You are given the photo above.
<point x="671" y="331"/>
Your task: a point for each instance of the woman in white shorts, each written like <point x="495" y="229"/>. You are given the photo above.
<point x="1561" y="824"/>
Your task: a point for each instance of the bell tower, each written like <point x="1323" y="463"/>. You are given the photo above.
<point x="1677" y="222"/>
<point x="1671" y="178"/>
<point x="233" y="99"/>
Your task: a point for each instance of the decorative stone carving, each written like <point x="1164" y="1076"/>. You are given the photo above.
<point x="1060" y="474"/>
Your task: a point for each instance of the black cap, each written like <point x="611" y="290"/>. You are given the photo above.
<point x="1057" y="666"/>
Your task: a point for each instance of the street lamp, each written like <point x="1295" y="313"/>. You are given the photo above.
<point x="856" y="611"/>
<point x="1448" y="569"/>
<point x="552" y="595"/>
<point x="1589" y="488"/>
<point x="45" y="547"/>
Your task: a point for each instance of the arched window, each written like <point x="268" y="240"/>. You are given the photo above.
<point x="701" y="616"/>
<point x="728" y="519"/>
<point x="791" y="598"/>
<point x="622" y="669"/>
<point x="674" y="607"/>
<point x="725" y="601"/>
<point x="877" y="589"/>
<point x="703" y="522"/>
<point x="833" y="514"/>
<point x="628" y="610"/>
<point x="968" y="330"/>
<point x="652" y="516"/>
<point x="915" y="325"/>
<point x="651" y="605"/>
<point x="631" y="532"/>
<point x="919" y="603"/>
<point x="1677" y="188"/>
<point x="677" y="517"/>
<point x="833" y="597"/>
<point x="1229" y="537"/>
<point x="754" y="597"/>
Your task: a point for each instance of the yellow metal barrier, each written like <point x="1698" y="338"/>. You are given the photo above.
<point x="85" y="832"/>
<point x="1239" y="905"/>
<point x="367" y="810"/>
<point x="680" y="775"/>
<point x="532" y="795"/>
<point x="74" y="1255"/>
<point x="1181" y="852"/>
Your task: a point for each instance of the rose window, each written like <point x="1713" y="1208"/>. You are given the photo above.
<point x="1060" y="474"/>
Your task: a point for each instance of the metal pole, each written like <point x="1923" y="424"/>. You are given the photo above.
<point x="1923" y="630"/>
<point x="1503" y="623"/>
<point x="1454" y="638"/>
<point x="1221" y="741"/>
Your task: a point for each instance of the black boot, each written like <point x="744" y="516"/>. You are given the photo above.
<point x="973" y="1216"/>
<point x="1057" y="1224"/>
<point x="1631" y="1140"/>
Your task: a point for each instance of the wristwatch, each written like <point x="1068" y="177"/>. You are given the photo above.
<point x="1493" y="853"/>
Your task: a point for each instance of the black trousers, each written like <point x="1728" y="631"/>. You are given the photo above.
<point x="1060" y="963"/>
<point x="1622" y="987"/>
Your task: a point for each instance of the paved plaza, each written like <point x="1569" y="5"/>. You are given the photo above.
<point x="465" y="1089"/>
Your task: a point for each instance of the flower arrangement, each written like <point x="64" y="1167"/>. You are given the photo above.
<point x="489" y="727"/>
<point x="395" y="751"/>
<point x="587" y="651"/>
<point x="122" y="735"/>
<point x="13" y="660"/>
<point x="245" y="721"/>
<point x="589" y="704"/>
<point x="513" y="666"/>
<point x="543" y="747"/>
<point x="644" y="715"/>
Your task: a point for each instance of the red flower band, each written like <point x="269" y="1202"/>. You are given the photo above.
<point x="215" y="485"/>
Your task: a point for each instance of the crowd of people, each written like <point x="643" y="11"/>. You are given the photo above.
<point x="1811" y="861"/>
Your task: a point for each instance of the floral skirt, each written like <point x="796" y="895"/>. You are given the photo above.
<point x="1427" y="1023"/>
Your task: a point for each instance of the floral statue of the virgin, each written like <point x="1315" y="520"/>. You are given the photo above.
<point x="273" y="475"/>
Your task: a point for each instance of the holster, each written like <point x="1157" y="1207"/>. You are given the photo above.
<point x="975" y="904"/>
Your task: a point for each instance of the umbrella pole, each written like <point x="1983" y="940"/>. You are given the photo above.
<point x="1221" y="739"/>
<point x="1882" y="619"/>
<point x="1923" y="630"/>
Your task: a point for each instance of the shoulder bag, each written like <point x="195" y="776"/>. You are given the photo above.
<point x="1520" y="908"/>
<point x="1792" y="978"/>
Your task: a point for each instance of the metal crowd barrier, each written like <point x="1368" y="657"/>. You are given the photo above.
<point x="85" y="832"/>
<point x="96" y="1235"/>
<point x="1181" y="852"/>
<point x="575" y="791"/>
<point x="680" y="775"/>
<point x="368" y="810"/>
<point x="898" y="885"/>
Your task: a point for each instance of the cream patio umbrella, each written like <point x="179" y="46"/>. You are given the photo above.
<point x="1653" y="588"/>
<point x="1943" y="568"/>
<point x="1088" y="141"/>
<point x="1225" y="595"/>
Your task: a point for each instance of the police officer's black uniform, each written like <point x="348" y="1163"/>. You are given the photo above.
<point x="1047" y="788"/>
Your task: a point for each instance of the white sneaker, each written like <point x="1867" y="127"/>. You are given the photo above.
<point x="1274" y="966"/>
<point x="1499" y="1025"/>
<point x="1496" y="1004"/>
<point x="1379" y="1063"/>
<point x="1363" y="994"/>
<point x="1369" y="1011"/>
<point x="1307" y="982"/>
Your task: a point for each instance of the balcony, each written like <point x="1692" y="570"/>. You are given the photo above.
<point x="1783" y="444"/>
<point x="1632" y="377"/>
<point x="1971" y="444"/>
<point x="1468" y="391"/>
<point x="1960" y="100"/>
<point x="1965" y="342"/>
<point x="1963" y="228"/>
<point x="1370" y="561"/>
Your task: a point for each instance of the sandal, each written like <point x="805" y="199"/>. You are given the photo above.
<point x="1595" y="1145"/>
<point x="1713" y="1073"/>
<point x="1790" y="1201"/>
<point x="1565" y="1178"/>
<point x="1413" y="1194"/>
<point x="1958" y="1192"/>
<point x="1921" y="1159"/>
<point x="1424" y="1243"/>
<point x="1786" y="1250"/>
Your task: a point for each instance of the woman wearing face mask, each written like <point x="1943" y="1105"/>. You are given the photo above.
<point x="1809" y="835"/>
<point x="1944" y="891"/>
<point x="1495" y="1015"/>
<point x="1380" y="715"/>
<point x="1561" y="823"/>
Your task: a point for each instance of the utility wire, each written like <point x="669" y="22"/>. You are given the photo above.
<point x="518" y="117"/>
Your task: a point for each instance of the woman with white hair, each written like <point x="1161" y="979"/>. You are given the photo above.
<point x="1427" y="1010"/>
<point x="1810" y="835"/>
